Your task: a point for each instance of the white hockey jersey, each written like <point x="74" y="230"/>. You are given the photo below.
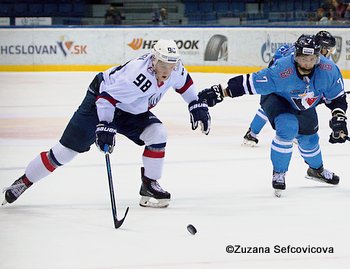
<point x="133" y="87"/>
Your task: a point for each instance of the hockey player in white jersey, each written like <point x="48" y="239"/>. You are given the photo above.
<point x="119" y="101"/>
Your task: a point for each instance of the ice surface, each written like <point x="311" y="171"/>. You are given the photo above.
<point x="223" y="189"/>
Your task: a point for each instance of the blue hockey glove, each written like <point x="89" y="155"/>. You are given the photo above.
<point x="199" y="113"/>
<point x="212" y="96"/>
<point x="338" y="125"/>
<point x="105" y="135"/>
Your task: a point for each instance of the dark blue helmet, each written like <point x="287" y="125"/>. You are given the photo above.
<point x="325" y="39"/>
<point x="307" y="45"/>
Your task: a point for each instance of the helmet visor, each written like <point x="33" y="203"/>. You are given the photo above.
<point x="327" y="51"/>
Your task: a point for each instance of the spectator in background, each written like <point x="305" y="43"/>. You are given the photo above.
<point x="328" y="9"/>
<point x="347" y="13"/>
<point x="339" y="9"/>
<point x="113" y="16"/>
<point x="322" y="16"/>
<point x="160" y="16"/>
<point x="164" y="16"/>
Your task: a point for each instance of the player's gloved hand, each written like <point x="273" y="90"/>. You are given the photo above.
<point x="338" y="125"/>
<point x="199" y="113"/>
<point x="212" y="96"/>
<point x="105" y="135"/>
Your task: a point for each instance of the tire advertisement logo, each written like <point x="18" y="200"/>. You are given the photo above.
<point x="216" y="49"/>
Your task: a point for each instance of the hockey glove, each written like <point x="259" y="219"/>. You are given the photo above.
<point x="211" y="96"/>
<point x="199" y="113"/>
<point x="105" y="135"/>
<point x="338" y="125"/>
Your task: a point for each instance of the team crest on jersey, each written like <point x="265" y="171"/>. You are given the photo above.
<point x="305" y="100"/>
<point x="153" y="100"/>
<point x="286" y="73"/>
<point x="325" y="66"/>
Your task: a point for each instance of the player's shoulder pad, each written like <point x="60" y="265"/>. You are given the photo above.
<point x="139" y="62"/>
<point x="284" y="62"/>
<point x="144" y="57"/>
<point x="180" y="69"/>
<point x="326" y="65"/>
<point x="283" y="67"/>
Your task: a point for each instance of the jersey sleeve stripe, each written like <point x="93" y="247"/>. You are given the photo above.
<point x="339" y="94"/>
<point x="188" y="83"/>
<point x="107" y="97"/>
<point x="246" y="85"/>
<point x="251" y="85"/>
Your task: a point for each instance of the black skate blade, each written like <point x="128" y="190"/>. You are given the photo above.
<point x="320" y="180"/>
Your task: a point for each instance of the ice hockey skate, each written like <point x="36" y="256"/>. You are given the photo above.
<point x="16" y="189"/>
<point x="250" y="139"/>
<point x="152" y="194"/>
<point x="278" y="183"/>
<point x="322" y="175"/>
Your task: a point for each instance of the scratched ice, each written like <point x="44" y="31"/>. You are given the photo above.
<point x="223" y="189"/>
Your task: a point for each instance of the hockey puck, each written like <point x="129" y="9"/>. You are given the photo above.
<point x="191" y="229"/>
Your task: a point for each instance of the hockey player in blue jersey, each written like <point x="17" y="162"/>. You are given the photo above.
<point x="291" y="88"/>
<point x="327" y="42"/>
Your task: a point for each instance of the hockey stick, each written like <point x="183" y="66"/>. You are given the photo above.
<point x="117" y="223"/>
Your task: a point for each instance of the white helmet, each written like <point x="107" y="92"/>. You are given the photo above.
<point x="166" y="51"/>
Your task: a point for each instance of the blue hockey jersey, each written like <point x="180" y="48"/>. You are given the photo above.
<point x="282" y="79"/>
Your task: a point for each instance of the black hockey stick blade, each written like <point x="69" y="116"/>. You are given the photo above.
<point x="118" y="223"/>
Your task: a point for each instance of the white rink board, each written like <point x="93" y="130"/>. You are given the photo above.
<point x="110" y="46"/>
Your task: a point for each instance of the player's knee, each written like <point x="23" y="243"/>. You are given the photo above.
<point x="154" y="134"/>
<point x="60" y="154"/>
<point x="307" y="142"/>
<point x="286" y="126"/>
